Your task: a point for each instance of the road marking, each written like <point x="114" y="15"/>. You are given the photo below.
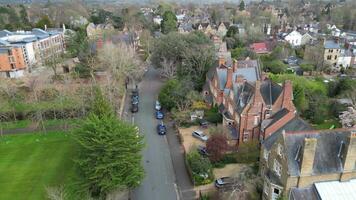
<point x="133" y="119"/>
<point x="176" y="189"/>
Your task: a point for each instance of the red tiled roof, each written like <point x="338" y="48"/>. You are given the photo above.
<point x="260" y="47"/>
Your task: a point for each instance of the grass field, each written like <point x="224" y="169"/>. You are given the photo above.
<point x="31" y="162"/>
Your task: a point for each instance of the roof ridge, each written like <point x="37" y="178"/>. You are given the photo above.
<point x="319" y="131"/>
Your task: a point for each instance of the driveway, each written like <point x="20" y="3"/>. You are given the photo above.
<point x="159" y="181"/>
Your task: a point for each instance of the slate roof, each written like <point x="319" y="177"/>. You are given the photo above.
<point x="307" y="193"/>
<point x="326" y="158"/>
<point x="222" y="75"/>
<point x="331" y="44"/>
<point x="250" y="74"/>
<point x="270" y="91"/>
<point x="242" y="93"/>
<point x="296" y="124"/>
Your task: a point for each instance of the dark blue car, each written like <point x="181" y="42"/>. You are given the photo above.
<point x="161" y="129"/>
<point x="159" y="115"/>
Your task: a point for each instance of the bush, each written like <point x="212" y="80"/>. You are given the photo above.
<point x="201" y="168"/>
<point x="228" y="158"/>
<point x="213" y="116"/>
<point x="217" y="146"/>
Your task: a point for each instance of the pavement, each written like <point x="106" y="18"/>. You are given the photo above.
<point x="166" y="177"/>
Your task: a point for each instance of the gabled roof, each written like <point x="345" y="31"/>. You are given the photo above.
<point x="222" y="76"/>
<point x="296" y="124"/>
<point x="260" y="47"/>
<point x="270" y="91"/>
<point x="242" y="94"/>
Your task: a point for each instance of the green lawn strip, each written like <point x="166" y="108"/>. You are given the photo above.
<point x="15" y="124"/>
<point x="30" y="162"/>
<point x="27" y="123"/>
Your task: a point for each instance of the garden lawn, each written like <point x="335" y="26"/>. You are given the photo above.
<point x="31" y="162"/>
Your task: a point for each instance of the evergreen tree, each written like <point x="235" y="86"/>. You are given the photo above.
<point x="110" y="150"/>
<point x="44" y="21"/>
<point x="169" y="22"/>
<point x="242" y="5"/>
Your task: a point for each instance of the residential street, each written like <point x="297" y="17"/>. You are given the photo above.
<point x="160" y="180"/>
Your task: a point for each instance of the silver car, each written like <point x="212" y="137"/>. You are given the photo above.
<point x="158" y="105"/>
<point x="200" y="135"/>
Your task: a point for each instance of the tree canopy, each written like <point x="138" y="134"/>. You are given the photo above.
<point x="186" y="56"/>
<point x="110" y="150"/>
<point x="242" y="5"/>
<point x="169" y="22"/>
<point x="44" y="21"/>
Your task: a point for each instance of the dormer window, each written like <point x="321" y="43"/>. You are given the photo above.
<point x="298" y="154"/>
<point x="280" y="150"/>
<point x="265" y="154"/>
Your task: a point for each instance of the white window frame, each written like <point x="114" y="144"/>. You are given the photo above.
<point x="277" y="167"/>
<point x="280" y="150"/>
<point x="265" y="154"/>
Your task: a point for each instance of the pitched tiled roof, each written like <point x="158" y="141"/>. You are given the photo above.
<point x="270" y="91"/>
<point x="242" y="93"/>
<point x="260" y="47"/>
<point x="326" y="158"/>
<point x="296" y="124"/>
<point x="222" y="75"/>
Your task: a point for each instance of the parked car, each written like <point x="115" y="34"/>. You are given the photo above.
<point x="159" y="115"/>
<point x="161" y="129"/>
<point x="134" y="92"/>
<point x="158" y="105"/>
<point x="200" y="135"/>
<point x="203" y="123"/>
<point x="202" y="150"/>
<point x="134" y="108"/>
<point x="225" y="182"/>
<point x="134" y="100"/>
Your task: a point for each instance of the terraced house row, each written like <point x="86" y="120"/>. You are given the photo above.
<point x="295" y="160"/>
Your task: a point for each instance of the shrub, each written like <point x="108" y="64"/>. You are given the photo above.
<point x="213" y="116"/>
<point x="217" y="146"/>
<point x="201" y="168"/>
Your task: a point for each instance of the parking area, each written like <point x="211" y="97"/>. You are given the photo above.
<point x="189" y="141"/>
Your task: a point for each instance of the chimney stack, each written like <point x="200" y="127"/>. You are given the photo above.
<point x="229" y="78"/>
<point x="234" y="65"/>
<point x="221" y="61"/>
<point x="306" y="164"/>
<point x="349" y="160"/>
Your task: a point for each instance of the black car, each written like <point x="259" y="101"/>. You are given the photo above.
<point x="161" y="129"/>
<point x="134" y="92"/>
<point x="134" y="108"/>
<point x="202" y="150"/>
<point x="203" y="123"/>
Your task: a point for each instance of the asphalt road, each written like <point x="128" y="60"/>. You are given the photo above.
<point x="159" y="182"/>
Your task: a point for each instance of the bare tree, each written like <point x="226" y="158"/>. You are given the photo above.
<point x="168" y="69"/>
<point x="122" y="61"/>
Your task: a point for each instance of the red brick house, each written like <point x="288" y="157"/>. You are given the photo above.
<point x="246" y="98"/>
<point x="260" y="48"/>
